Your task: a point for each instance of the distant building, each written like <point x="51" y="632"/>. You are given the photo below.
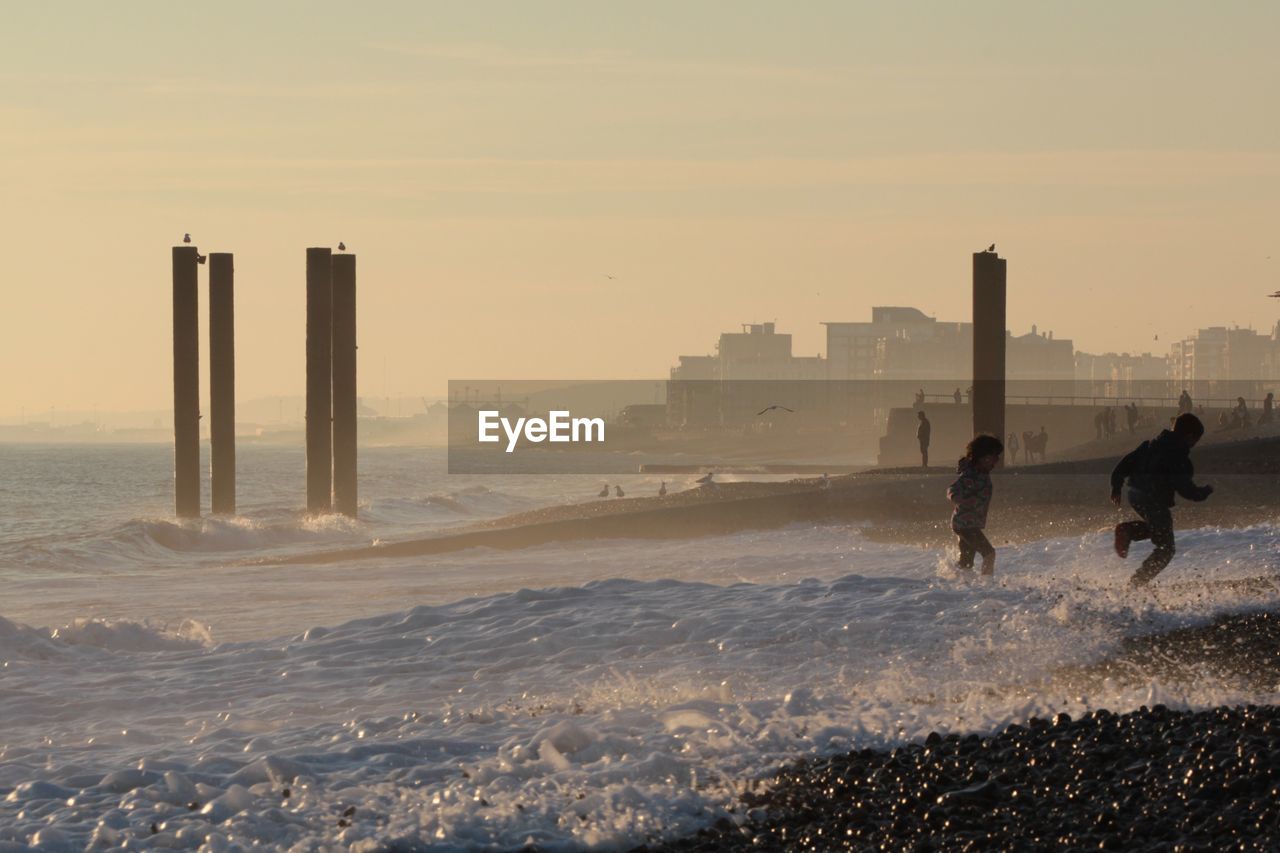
<point x="757" y="352"/>
<point x="1224" y="361"/>
<point x="1124" y="376"/>
<point x="751" y="369"/>
<point x="908" y="345"/>
<point x="858" y="350"/>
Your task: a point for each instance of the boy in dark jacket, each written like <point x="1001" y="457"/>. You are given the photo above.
<point x="970" y="495"/>
<point x="1156" y="470"/>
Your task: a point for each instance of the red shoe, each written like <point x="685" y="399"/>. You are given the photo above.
<point x="1122" y="541"/>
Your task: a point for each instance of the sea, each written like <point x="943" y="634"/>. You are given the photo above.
<point x="163" y="687"/>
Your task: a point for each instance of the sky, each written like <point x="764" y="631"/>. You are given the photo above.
<point x="492" y="164"/>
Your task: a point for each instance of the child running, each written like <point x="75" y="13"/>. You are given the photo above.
<point x="971" y="496"/>
<point x="1157" y="469"/>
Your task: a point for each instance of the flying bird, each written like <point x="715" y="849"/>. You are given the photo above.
<point x="200" y="259"/>
<point x="610" y="277"/>
<point x="771" y="408"/>
<point x="186" y="238"/>
<point x="342" y="247"/>
<point x="1275" y="295"/>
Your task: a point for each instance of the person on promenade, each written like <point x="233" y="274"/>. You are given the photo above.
<point x="1267" y="403"/>
<point x="970" y="496"/>
<point x="922" y="435"/>
<point x="956" y="396"/>
<point x="1242" y="412"/>
<point x="1156" y="470"/>
<point x="1012" y="445"/>
<point x="1184" y="402"/>
<point x="1131" y="416"/>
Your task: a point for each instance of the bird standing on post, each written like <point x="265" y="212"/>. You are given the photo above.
<point x="186" y="238"/>
<point x="342" y="247"/>
<point x="991" y="248"/>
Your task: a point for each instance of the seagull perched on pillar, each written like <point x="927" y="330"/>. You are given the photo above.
<point x="342" y="247"/>
<point x="991" y="248"/>
<point x="199" y="259"/>
<point x="186" y="238"/>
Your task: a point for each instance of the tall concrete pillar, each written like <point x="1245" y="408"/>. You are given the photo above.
<point x="222" y="382"/>
<point x="344" y="384"/>
<point x="988" y="343"/>
<point x="186" y="383"/>
<point x="319" y="380"/>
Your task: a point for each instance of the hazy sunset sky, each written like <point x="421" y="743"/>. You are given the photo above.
<point x="727" y="162"/>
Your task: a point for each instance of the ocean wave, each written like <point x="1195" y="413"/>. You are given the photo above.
<point x="113" y="635"/>
<point x="586" y="714"/>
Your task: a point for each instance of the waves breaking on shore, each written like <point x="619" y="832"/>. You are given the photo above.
<point x="603" y="713"/>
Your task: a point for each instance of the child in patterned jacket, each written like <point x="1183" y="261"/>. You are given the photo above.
<point x="970" y="495"/>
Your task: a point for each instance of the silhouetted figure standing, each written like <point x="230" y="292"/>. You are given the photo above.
<point x="1099" y="424"/>
<point x="1242" y="413"/>
<point x="1131" y="416"/>
<point x="1012" y="445"/>
<point x="956" y="396"/>
<point x="970" y="496"/>
<point x="662" y="490"/>
<point x="1111" y="421"/>
<point x="923" y="431"/>
<point x="920" y="397"/>
<point x="1267" y="403"/>
<point x="1156" y="470"/>
<point x="1184" y="402"/>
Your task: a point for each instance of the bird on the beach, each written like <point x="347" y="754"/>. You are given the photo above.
<point x="771" y="408"/>
<point x="604" y="493"/>
<point x="662" y="490"/>
<point x="991" y="248"/>
<point x="186" y="238"/>
<point x="618" y="492"/>
<point x="200" y="259"/>
<point x="826" y="481"/>
<point x="707" y="480"/>
<point x="342" y="247"/>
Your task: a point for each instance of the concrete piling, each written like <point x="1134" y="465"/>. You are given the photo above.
<point x="319" y="380"/>
<point x="186" y="382"/>
<point x="344" y="384"/>
<point x="222" y="382"/>
<point x="988" y="343"/>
